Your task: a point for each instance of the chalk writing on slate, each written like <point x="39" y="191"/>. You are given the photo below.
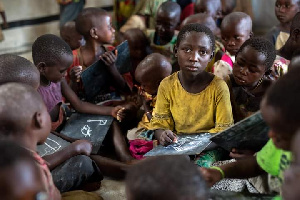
<point x="89" y="127"/>
<point x="96" y="77"/>
<point x="186" y="145"/>
<point x="52" y="144"/>
<point x="250" y="133"/>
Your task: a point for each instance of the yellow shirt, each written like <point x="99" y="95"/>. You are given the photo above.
<point x="188" y="113"/>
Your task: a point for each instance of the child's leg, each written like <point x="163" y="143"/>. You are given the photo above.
<point x="109" y="167"/>
<point x="119" y="142"/>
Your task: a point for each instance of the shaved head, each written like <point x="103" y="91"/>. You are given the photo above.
<point x="236" y="19"/>
<point x="201" y="18"/>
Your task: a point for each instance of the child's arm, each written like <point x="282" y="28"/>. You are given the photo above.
<point x="85" y="107"/>
<point x="109" y="58"/>
<point x="75" y="78"/>
<point x="79" y="147"/>
<point x="165" y="137"/>
<point x="241" y="169"/>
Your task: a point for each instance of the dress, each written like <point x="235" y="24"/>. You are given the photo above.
<point x="187" y="113"/>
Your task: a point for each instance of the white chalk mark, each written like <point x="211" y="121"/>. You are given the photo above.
<point x="51" y="149"/>
<point x="86" y="131"/>
<point x="101" y="122"/>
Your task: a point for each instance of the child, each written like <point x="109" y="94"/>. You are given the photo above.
<point x="290" y="187"/>
<point x="280" y="110"/>
<point x="210" y="7"/>
<point x="94" y="24"/>
<point x="236" y="28"/>
<point x="248" y="83"/>
<point x="14" y="68"/>
<point x="165" y="177"/>
<point x="228" y="6"/>
<point x="285" y="12"/>
<point x="163" y="38"/>
<point x="21" y="178"/>
<point x="52" y="56"/>
<point x="149" y="73"/>
<point x="191" y="100"/>
<point x="70" y="35"/>
<point x="29" y="126"/>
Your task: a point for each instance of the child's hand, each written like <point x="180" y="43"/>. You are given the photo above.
<point x="240" y="154"/>
<point x="167" y="137"/>
<point x="211" y="176"/>
<point x="75" y="74"/>
<point x="109" y="58"/>
<point x="118" y="113"/>
<point x="82" y="147"/>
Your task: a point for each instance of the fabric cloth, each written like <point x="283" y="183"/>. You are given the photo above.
<point x="279" y="68"/>
<point x="74" y="172"/>
<point x="218" y="47"/>
<point x="277" y="37"/>
<point x="187" y="113"/>
<point x="274" y="161"/>
<point x="70" y="10"/>
<point x="55" y="125"/>
<point x="167" y="49"/>
<point x="138" y="148"/>
<point x="80" y="195"/>
<point x="123" y="9"/>
<point x="52" y="191"/>
<point x="51" y="95"/>
<point x="135" y="21"/>
<point x="223" y="67"/>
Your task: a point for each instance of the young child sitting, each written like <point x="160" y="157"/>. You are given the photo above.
<point x="285" y="12"/>
<point x="52" y="56"/>
<point x="210" y="7"/>
<point x="165" y="177"/>
<point x="192" y="100"/>
<point x="149" y="73"/>
<point x="28" y="127"/>
<point x="21" y="178"/>
<point x="163" y="38"/>
<point x="94" y="24"/>
<point x="236" y="28"/>
<point x="70" y="35"/>
<point x="248" y="82"/>
<point x="280" y="110"/>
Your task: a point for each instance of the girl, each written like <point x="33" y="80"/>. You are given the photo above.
<point x="191" y="100"/>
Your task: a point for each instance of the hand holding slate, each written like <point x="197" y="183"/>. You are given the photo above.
<point x="241" y="153"/>
<point x="109" y="58"/>
<point x="167" y="137"/>
<point x="75" y="73"/>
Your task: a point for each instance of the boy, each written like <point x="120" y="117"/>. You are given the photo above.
<point x="280" y="110"/>
<point x="285" y="10"/>
<point x="70" y="35"/>
<point x="165" y="177"/>
<point x="29" y="127"/>
<point x="21" y="178"/>
<point x="236" y="28"/>
<point x="163" y="38"/>
<point x="210" y="7"/>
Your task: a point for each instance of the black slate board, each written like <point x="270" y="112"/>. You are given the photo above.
<point x="250" y="133"/>
<point x="89" y="127"/>
<point x="185" y="145"/>
<point x="52" y="145"/>
<point x="96" y="77"/>
<point x="227" y="195"/>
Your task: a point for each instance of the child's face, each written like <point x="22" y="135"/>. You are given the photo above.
<point x="148" y="82"/>
<point x="249" y="67"/>
<point x="290" y="187"/>
<point x="105" y="31"/>
<point x="165" y="25"/>
<point x="21" y="182"/>
<point x="137" y="48"/>
<point x="280" y="138"/>
<point x="194" y="52"/>
<point x="285" y="10"/>
<point x="58" y="71"/>
<point x="234" y="35"/>
<point x="208" y="8"/>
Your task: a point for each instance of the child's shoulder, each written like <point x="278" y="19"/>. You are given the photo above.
<point x="219" y="83"/>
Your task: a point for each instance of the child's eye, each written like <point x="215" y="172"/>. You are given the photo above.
<point x="203" y="53"/>
<point x="237" y="37"/>
<point x="225" y="39"/>
<point x="187" y="50"/>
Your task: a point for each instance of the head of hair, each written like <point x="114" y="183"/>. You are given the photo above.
<point x="66" y="29"/>
<point x="165" y="177"/>
<point x="194" y="27"/>
<point x="201" y="18"/>
<point x="19" y="104"/>
<point x="87" y="19"/>
<point x="216" y="5"/>
<point x="49" y="49"/>
<point x="136" y="34"/>
<point x="262" y="46"/>
<point x="172" y="9"/>
<point x="235" y="18"/>
<point x="15" y="68"/>
<point x="284" y="97"/>
<point x="228" y="6"/>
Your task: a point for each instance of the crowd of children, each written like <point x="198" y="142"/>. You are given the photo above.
<point x="196" y="67"/>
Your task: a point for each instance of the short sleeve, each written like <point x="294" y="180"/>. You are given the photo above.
<point x="224" y="117"/>
<point x="268" y="158"/>
<point x="162" y="117"/>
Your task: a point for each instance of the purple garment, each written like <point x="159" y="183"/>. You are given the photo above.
<point x="51" y="95"/>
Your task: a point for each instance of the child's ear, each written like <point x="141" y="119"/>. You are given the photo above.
<point x="175" y="50"/>
<point x="251" y="34"/>
<point x="37" y="120"/>
<point x="295" y="34"/>
<point x="42" y="67"/>
<point x="93" y="33"/>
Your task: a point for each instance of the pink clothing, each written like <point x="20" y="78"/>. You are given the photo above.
<point x="52" y="191"/>
<point x="51" y="95"/>
<point x="138" y="148"/>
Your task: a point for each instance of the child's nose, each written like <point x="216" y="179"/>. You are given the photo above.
<point x="195" y="56"/>
<point x="231" y="42"/>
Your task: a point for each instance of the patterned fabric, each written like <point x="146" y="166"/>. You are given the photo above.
<point x="52" y="191"/>
<point x="281" y="40"/>
<point x="123" y="10"/>
<point x="279" y="68"/>
<point x="184" y="112"/>
<point x="222" y="68"/>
